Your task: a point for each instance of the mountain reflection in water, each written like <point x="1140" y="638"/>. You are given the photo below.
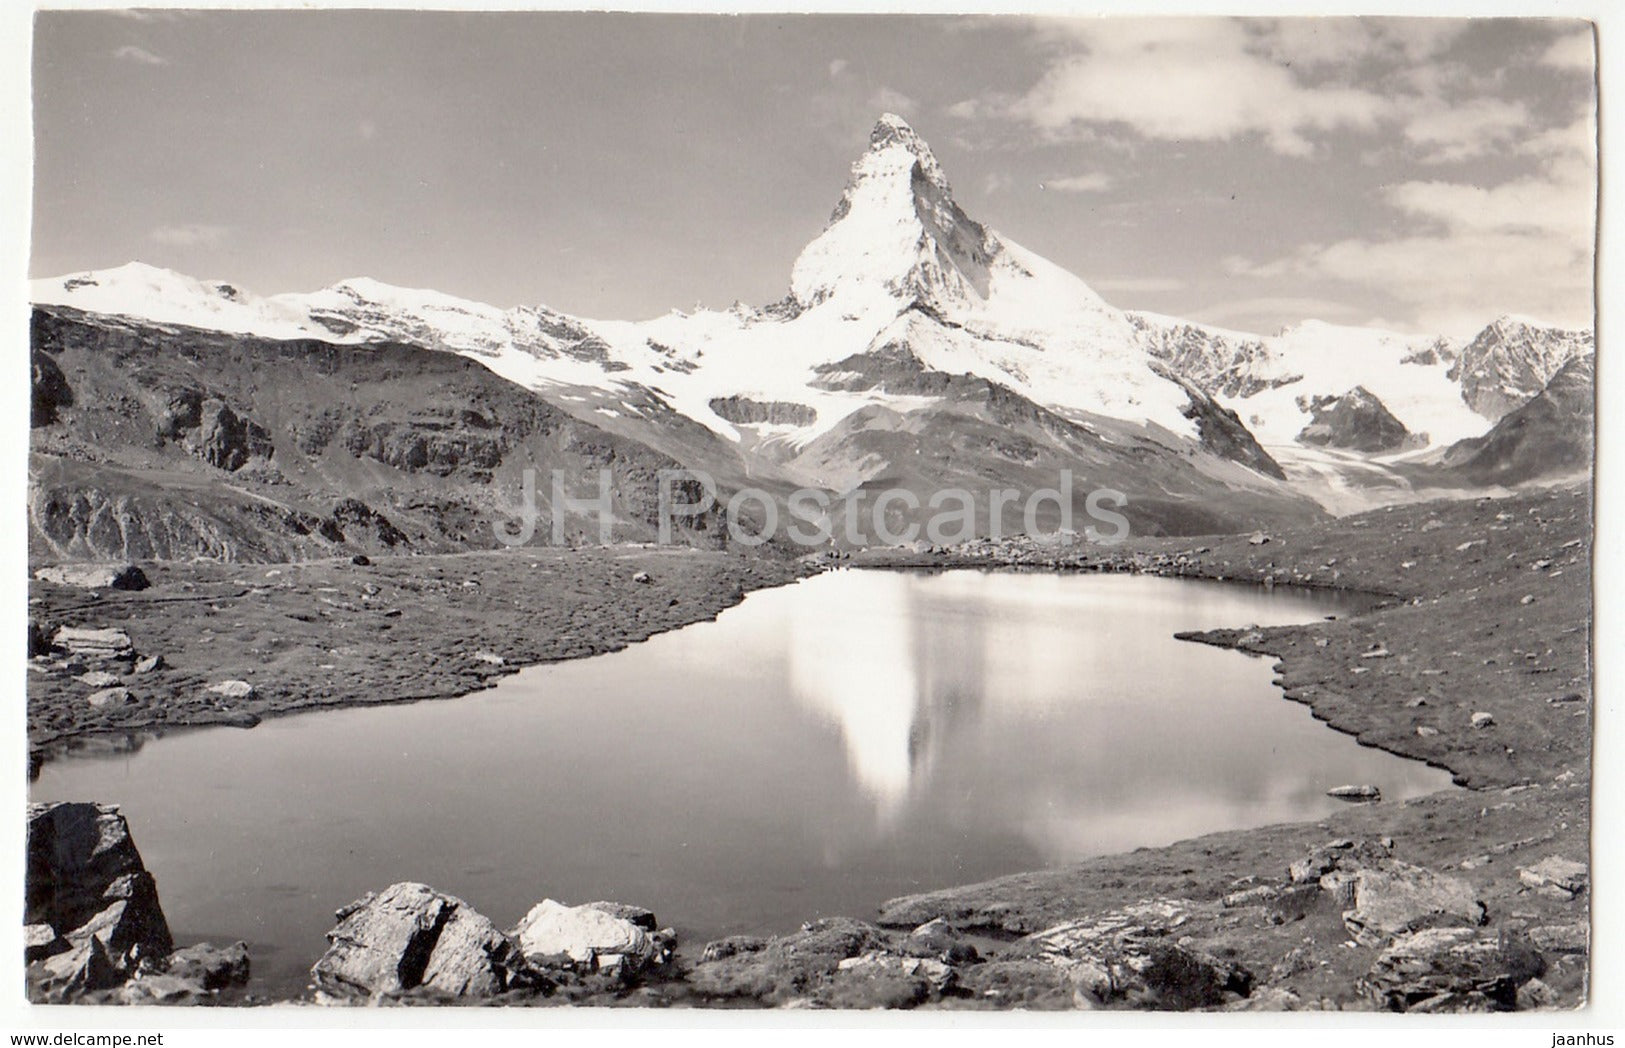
<point x="813" y="751"/>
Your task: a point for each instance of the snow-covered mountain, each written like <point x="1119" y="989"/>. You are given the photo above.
<point x="900" y="292"/>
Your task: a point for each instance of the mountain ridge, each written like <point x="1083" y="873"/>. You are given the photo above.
<point x="898" y="240"/>
<point x="900" y="300"/>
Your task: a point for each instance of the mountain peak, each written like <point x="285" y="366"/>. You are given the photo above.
<point x="892" y="129"/>
<point x="892" y="133"/>
<point x="889" y="122"/>
<point x="897" y="231"/>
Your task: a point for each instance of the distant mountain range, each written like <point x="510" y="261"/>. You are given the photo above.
<point x="916" y="348"/>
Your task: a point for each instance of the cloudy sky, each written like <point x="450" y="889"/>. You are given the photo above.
<point x="1416" y="174"/>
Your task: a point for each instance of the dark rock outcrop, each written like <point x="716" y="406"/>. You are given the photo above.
<point x="209" y="428"/>
<point x="424" y="445"/>
<point x="86" y="882"/>
<point x="50" y="392"/>
<point x="1551" y="435"/>
<point x="744" y="411"/>
<point x="227" y="440"/>
<point x="1221" y="431"/>
<point x="1356" y="421"/>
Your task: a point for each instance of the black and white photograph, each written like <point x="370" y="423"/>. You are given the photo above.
<point x="585" y="516"/>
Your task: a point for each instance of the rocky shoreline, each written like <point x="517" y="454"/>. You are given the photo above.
<point x="1475" y="658"/>
<point x="201" y="644"/>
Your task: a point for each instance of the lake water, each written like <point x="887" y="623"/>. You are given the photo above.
<point x="816" y="750"/>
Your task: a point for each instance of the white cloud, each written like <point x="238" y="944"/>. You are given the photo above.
<point x="190" y="234"/>
<point x="1473" y="252"/>
<point x="1557" y="204"/>
<point x="1092" y="182"/>
<point x="1470" y="129"/>
<point x="996" y="182"/>
<point x="139" y="55"/>
<point x="367" y="130"/>
<point x="890" y="101"/>
<point x="1574" y="51"/>
<point x="1320" y="41"/>
<point x="1457" y="283"/>
<point x="837" y="67"/>
<point x="1187" y="79"/>
<point x="1290" y="82"/>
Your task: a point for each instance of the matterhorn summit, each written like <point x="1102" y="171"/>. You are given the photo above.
<point x="896" y="230"/>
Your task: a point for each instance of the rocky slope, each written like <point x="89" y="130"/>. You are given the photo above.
<point x="1512" y="360"/>
<point x="1550" y="435"/>
<point x="169" y="442"/>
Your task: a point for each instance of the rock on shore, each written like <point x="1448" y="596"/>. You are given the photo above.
<point x="86" y="881"/>
<point x="94" y="928"/>
<point x="599" y="937"/>
<point x="409" y="936"/>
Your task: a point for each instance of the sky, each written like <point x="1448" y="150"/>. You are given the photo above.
<point x="1416" y="174"/>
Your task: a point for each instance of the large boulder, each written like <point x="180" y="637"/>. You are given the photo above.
<point x="91" y="643"/>
<point x="1397" y="898"/>
<point x="1451" y="969"/>
<point x="86" y="882"/>
<point x="594" y="937"/>
<point x="1135" y="956"/>
<point x="410" y="936"/>
<point x="1556" y="876"/>
<point x="95" y="576"/>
